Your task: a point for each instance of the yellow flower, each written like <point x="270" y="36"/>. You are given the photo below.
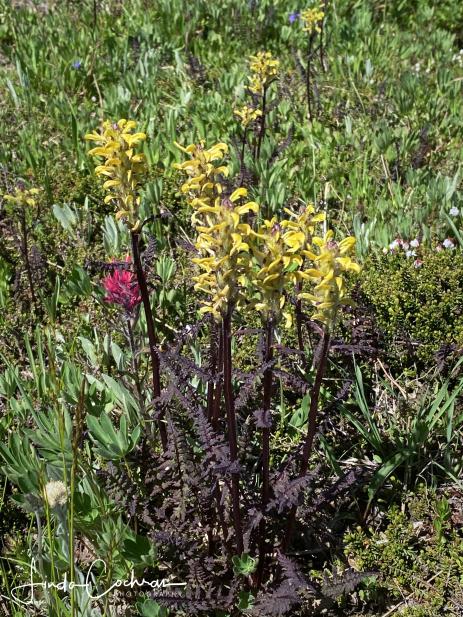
<point x="222" y="243"/>
<point x="275" y="266"/>
<point x="312" y="19"/>
<point x="222" y="234"/>
<point x="330" y="260"/>
<point x="124" y="167"/>
<point x="23" y="197"/>
<point x="247" y="115"/>
<point x="203" y="174"/>
<point x="300" y="227"/>
<point x="264" y="69"/>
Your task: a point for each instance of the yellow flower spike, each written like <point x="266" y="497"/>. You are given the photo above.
<point x="201" y="170"/>
<point x="247" y="115"/>
<point x="271" y="274"/>
<point x="264" y="69"/>
<point x="298" y="232"/>
<point x="222" y="236"/>
<point x="124" y="167"/>
<point x="328" y="280"/>
<point x="312" y="19"/>
<point x="23" y="197"/>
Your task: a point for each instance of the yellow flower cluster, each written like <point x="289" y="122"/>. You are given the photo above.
<point x="278" y="252"/>
<point x="201" y="171"/>
<point x="330" y="260"/>
<point x="124" y="167"/>
<point x="267" y="262"/>
<point x="23" y="197"/>
<point x="264" y="69"/>
<point x="301" y="227"/>
<point x="247" y="115"/>
<point x="222" y="240"/>
<point x="312" y="19"/>
<point x="275" y="265"/>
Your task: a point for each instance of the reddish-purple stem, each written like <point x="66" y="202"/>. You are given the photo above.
<point x="232" y="434"/>
<point x="311" y="429"/>
<point x="155" y="371"/>
<point x="267" y="398"/>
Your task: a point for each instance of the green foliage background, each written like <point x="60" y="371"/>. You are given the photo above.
<point x="382" y="157"/>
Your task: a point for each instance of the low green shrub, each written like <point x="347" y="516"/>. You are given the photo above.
<point x="417" y="301"/>
<point x="417" y="552"/>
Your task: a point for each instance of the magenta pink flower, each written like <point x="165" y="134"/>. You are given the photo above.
<point x="122" y="288"/>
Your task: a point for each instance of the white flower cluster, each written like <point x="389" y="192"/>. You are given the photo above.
<point x="403" y="245"/>
<point x="409" y="247"/>
<point x="417" y="69"/>
<point x="56" y="493"/>
<point x="448" y="243"/>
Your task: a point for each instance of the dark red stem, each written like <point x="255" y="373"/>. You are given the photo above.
<point x="218" y="385"/>
<point x="150" y="329"/>
<point x="262" y="125"/>
<point x="311" y="429"/>
<point x="232" y="435"/>
<point x="211" y="385"/>
<point x="267" y="399"/>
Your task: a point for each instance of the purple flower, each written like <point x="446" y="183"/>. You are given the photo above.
<point x="293" y="17"/>
<point x="77" y="64"/>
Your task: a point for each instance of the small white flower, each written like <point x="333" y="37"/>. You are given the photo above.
<point x="385" y="251"/>
<point x="454" y="211"/>
<point x="415" y="243"/>
<point x="448" y="243"/>
<point x="405" y="246"/>
<point x="394" y="245"/>
<point x="56" y="493"/>
<point x="410" y="253"/>
<point x="417" y="263"/>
